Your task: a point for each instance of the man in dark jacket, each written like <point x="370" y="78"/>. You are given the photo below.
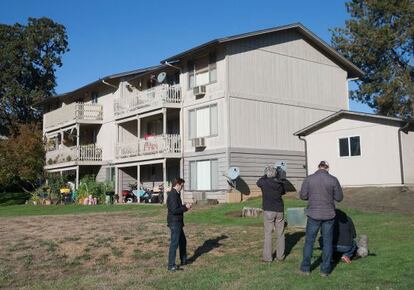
<point x="175" y="221"/>
<point x="344" y="235"/>
<point x="272" y="190"/>
<point x="321" y="190"/>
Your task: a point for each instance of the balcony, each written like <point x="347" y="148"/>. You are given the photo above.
<point x="152" y="145"/>
<point x="73" y="113"/>
<point x="89" y="152"/>
<point x="159" y="96"/>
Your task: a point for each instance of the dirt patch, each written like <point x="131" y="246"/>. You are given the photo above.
<point x="236" y="214"/>
<point x="52" y="247"/>
<point x="376" y="199"/>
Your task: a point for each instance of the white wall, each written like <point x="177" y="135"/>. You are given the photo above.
<point x="407" y="141"/>
<point x="379" y="163"/>
<point x="106" y="136"/>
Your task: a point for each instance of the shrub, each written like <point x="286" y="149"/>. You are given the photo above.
<point x="89" y="186"/>
<point x="55" y="183"/>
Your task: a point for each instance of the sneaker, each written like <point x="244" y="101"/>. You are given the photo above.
<point x="324" y="274"/>
<point x="346" y="259"/>
<point x="304" y="273"/>
<point x="174" y="268"/>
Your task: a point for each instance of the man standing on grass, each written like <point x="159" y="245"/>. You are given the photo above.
<point x="272" y="190"/>
<point x="321" y="190"/>
<point x="175" y="220"/>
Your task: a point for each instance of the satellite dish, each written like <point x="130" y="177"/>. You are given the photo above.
<point x="161" y="77"/>
<point x="232" y="174"/>
<point x="282" y="164"/>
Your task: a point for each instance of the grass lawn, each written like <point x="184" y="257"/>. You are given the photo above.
<point x="125" y="247"/>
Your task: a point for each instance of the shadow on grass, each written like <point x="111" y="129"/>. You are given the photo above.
<point x="291" y="239"/>
<point x="206" y="247"/>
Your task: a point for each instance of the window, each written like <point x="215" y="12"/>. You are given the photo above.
<point x="110" y="174"/>
<point x="204" y="175"/>
<point x="349" y="146"/>
<point x="94" y="98"/>
<point x="202" y="71"/>
<point x="203" y="122"/>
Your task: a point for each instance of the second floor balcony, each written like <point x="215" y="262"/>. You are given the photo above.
<point x="147" y="146"/>
<point x="159" y="96"/>
<point x="72" y="113"/>
<point x="89" y="152"/>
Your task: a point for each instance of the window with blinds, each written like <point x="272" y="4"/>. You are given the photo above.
<point x="202" y="71"/>
<point x="204" y="175"/>
<point x="203" y="122"/>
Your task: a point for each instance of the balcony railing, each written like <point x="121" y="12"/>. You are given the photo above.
<point x="72" y="112"/>
<point x="151" y="145"/>
<point x="159" y="95"/>
<point x="89" y="152"/>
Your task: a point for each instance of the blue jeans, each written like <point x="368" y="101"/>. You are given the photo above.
<point x="312" y="229"/>
<point x="344" y="250"/>
<point x="178" y="240"/>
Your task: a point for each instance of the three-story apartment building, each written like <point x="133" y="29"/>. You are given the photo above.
<point x="233" y="101"/>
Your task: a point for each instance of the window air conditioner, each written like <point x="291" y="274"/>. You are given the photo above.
<point x="199" y="91"/>
<point x="199" y="143"/>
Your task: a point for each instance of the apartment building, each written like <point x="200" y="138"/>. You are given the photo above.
<point x="233" y="101"/>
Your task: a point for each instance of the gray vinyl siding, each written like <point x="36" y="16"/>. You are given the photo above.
<point x="127" y="176"/>
<point x="284" y="67"/>
<point x="101" y="176"/>
<point x="252" y="162"/>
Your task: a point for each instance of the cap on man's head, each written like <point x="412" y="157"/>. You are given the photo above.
<point x="323" y="164"/>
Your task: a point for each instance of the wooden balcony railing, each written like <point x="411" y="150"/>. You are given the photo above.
<point x="159" y="95"/>
<point x="89" y="152"/>
<point x="152" y="145"/>
<point x="72" y="112"/>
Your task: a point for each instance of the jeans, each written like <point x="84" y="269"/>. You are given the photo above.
<point x="178" y="240"/>
<point x="312" y="228"/>
<point x="344" y="250"/>
<point x="273" y="220"/>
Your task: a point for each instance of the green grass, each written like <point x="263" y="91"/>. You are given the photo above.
<point x="30" y="210"/>
<point x="234" y="263"/>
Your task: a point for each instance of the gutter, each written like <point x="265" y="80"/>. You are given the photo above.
<point x="173" y="66"/>
<point x="306" y="152"/>
<point x="402" y="129"/>
<point x="108" y="84"/>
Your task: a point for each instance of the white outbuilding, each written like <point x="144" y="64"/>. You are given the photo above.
<point x="362" y="149"/>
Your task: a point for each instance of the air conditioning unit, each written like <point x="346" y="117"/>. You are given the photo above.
<point x="199" y="143"/>
<point x="199" y="91"/>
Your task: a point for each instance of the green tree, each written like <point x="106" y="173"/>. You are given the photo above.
<point x="22" y="159"/>
<point x="29" y="56"/>
<point x="379" y="38"/>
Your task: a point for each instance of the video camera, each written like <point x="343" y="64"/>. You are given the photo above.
<point x="281" y="168"/>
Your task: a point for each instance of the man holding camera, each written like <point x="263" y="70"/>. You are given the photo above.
<point x="272" y="190"/>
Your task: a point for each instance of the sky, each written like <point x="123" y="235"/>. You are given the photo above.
<point x="107" y="37"/>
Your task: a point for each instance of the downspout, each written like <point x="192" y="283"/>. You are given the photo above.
<point x="306" y="152"/>
<point x="403" y="129"/>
